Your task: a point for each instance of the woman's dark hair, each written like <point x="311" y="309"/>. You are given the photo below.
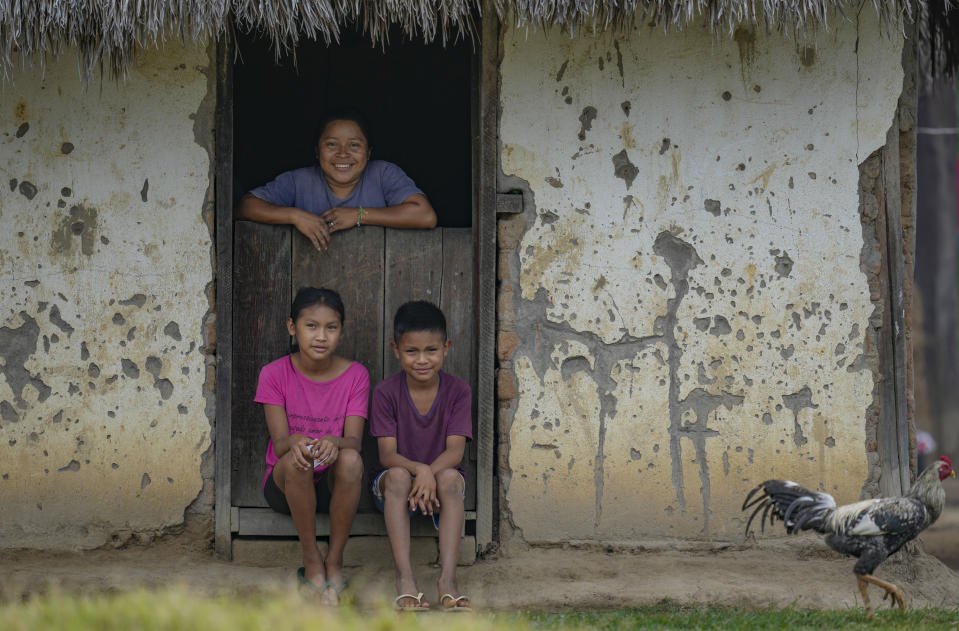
<point x="418" y="315"/>
<point x="311" y="296"/>
<point x="343" y="114"/>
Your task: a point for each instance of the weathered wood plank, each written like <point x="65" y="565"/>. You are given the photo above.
<point x="485" y="145"/>
<point x="414" y="271"/>
<point x="457" y="302"/>
<point x="353" y="266"/>
<point x="261" y="307"/>
<point x="264" y="522"/>
<point x="888" y="450"/>
<point x="907" y="113"/>
<point x="509" y="204"/>
<point x="897" y="301"/>
<point x="224" y="295"/>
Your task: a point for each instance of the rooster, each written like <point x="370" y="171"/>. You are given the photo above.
<point x="870" y="530"/>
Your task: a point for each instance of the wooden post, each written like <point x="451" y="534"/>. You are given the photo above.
<point x="223" y="237"/>
<point x="894" y="421"/>
<point x="485" y="147"/>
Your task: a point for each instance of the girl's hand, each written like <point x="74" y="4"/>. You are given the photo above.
<point x="300" y="452"/>
<point x="314" y="227"/>
<point x="340" y="218"/>
<point x="325" y="451"/>
<point x="423" y="494"/>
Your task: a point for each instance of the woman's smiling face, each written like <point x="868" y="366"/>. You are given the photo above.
<point x="343" y="153"/>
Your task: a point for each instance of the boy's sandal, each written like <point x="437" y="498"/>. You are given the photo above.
<point x="453" y="603"/>
<point x="417" y="607"/>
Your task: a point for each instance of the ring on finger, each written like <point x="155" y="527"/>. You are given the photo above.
<point x="331" y="223"/>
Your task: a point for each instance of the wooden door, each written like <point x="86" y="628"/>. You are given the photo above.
<point x="375" y="270"/>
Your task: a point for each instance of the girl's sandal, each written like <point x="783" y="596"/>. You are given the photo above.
<point x="417" y="607"/>
<point x="307" y="586"/>
<point x="453" y="603"/>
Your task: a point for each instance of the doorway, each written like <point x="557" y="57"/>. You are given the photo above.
<point x="421" y="101"/>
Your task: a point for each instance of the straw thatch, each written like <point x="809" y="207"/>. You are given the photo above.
<point x="107" y="32"/>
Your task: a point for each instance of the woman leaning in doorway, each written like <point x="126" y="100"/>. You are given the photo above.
<point x="343" y="190"/>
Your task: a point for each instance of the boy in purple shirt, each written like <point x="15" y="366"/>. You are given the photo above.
<point x="421" y="418"/>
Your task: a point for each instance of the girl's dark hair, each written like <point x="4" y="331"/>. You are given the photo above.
<point x="343" y="114"/>
<point x="311" y="296"/>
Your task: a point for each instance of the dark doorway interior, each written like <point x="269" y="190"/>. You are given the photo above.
<point x="416" y="96"/>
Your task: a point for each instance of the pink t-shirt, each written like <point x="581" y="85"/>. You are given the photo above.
<point x="313" y="408"/>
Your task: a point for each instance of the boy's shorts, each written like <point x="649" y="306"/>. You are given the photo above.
<point x="277" y="500"/>
<point x="379" y="501"/>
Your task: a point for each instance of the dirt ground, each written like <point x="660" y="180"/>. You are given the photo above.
<point x="770" y="572"/>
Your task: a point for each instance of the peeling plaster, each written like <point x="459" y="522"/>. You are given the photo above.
<point x="105" y="296"/>
<point x="699" y="319"/>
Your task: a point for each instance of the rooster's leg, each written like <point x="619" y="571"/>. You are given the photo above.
<point x="863" y="589"/>
<point x="892" y="592"/>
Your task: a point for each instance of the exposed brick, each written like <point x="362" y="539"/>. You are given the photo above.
<point x="503" y="270"/>
<point x="506" y="343"/>
<point x="210" y="384"/>
<point x="509" y="232"/>
<point x="505" y="384"/>
<point x="505" y="318"/>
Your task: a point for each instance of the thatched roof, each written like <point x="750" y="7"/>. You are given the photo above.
<point x="107" y="32"/>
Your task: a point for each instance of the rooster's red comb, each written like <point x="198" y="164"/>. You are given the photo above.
<point x="946" y="460"/>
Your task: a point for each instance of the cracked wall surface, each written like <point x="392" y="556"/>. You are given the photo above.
<point x="685" y="291"/>
<point x="107" y="274"/>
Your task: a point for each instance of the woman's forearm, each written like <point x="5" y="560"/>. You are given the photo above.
<point x="415" y="212"/>
<point x="252" y="208"/>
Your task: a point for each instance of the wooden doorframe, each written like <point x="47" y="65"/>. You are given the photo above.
<point x="485" y="109"/>
<point x="223" y="237"/>
<point x="485" y="88"/>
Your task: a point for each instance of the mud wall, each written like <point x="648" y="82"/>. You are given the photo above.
<point x="684" y="305"/>
<point x="106" y="293"/>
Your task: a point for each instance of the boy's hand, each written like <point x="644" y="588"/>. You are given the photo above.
<point x="423" y="494"/>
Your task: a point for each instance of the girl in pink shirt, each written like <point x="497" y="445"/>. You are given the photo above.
<point x="315" y="404"/>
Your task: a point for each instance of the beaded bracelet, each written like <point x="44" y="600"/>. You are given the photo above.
<point x="359" y="216"/>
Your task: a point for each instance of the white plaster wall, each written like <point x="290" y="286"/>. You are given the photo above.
<point x="103" y="293"/>
<point x="715" y="302"/>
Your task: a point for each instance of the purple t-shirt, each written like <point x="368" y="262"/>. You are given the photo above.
<point x="421" y="437"/>
<point x="313" y="408"/>
<point x="382" y="184"/>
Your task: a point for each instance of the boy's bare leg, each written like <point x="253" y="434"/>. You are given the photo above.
<point x="297" y="486"/>
<point x="347" y="481"/>
<point x="396" y="485"/>
<point x="449" y="489"/>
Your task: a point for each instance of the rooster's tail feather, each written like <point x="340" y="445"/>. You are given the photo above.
<point x="797" y="507"/>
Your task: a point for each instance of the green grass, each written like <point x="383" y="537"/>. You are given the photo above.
<point x="179" y="610"/>
<point x="669" y="616"/>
